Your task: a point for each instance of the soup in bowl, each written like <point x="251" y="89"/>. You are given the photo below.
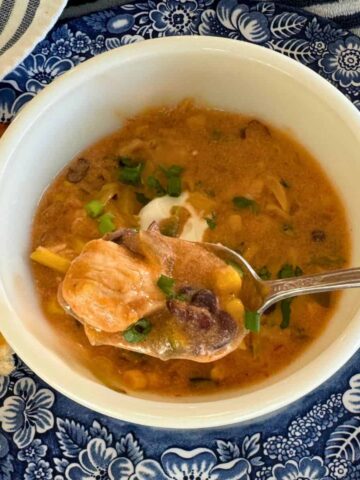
<point x="237" y="164"/>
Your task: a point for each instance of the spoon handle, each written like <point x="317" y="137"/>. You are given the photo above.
<point x="323" y="282"/>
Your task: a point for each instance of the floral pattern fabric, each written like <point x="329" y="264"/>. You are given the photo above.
<point x="45" y="436"/>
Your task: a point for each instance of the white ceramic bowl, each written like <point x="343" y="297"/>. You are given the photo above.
<point x="90" y="102"/>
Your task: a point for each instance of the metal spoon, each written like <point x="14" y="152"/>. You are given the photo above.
<point x="224" y="336"/>
<point x="272" y="291"/>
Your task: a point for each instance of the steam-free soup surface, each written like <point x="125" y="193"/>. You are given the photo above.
<point x="254" y="188"/>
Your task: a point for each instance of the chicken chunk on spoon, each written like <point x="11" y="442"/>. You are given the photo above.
<point x="156" y="295"/>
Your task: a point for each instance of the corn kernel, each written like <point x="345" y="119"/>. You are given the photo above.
<point x="50" y="259"/>
<point x="236" y="309"/>
<point x="135" y="379"/>
<point x="227" y="280"/>
<point x="218" y="373"/>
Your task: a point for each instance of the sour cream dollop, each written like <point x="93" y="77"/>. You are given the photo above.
<point x="160" y="209"/>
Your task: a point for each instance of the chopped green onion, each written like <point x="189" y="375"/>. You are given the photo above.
<point x="131" y="175"/>
<point x="174" y="186"/>
<point x="154" y="183"/>
<point x="244" y="202"/>
<point x="173" y="171"/>
<point x="94" y="208"/>
<point x="264" y="273"/>
<point x="298" y="272"/>
<point x="141" y="198"/>
<point x="138" y="331"/>
<point x="252" y="321"/>
<point x="286" y="271"/>
<point x="106" y="223"/>
<point x="236" y="267"/>
<point x="285" y="306"/>
<point x="211" y="221"/>
<point x="166" y="284"/>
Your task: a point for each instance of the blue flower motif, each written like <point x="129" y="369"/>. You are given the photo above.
<point x="99" y="461"/>
<point x="6" y="101"/>
<point x="322" y="415"/>
<point x="27" y="412"/>
<point x="43" y="47"/>
<point x="80" y="43"/>
<point x="319" y="36"/>
<point x="342" y="469"/>
<point x="33" y="453"/>
<point x="172" y="17"/>
<point x="342" y="62"/>
<point x="307" y="469"/>
<point x="202" y="463"/>
<point x="97" y="45"/>
<point x="264" y="473"/>
<point x="38" y="70"/>
<point x="283" y="449"/>
<point x="242" y="21"/>
<point x="61" y="48"/>
<point x="38" y="471"/>
<point x="6" y="465"/>
<point x="306" y="429"/>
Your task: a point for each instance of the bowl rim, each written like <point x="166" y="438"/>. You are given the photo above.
<point x="178" y="415"/>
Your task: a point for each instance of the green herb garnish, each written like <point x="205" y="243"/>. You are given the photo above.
<point x="94" y="208"/>
<point x="298" y="272"/>
<point x="131" y="174"/>
<point x="106" y="223"/>
<point x="173" y="175"/>
<point x="287" y="271"/>
<point x="252" y="321"/>
<point x="285" y="306"/>
<point x="173" y="171"/>
<point x="166" y="284"/>
<point x="154" y="183"/>
<point x="264" y="273"/>
<point x="174" y="186"/>
<point x="141" y="198"/>
<point x="236" y="267"/>
<point x="244" y="202"/>
<point x="138" y="331"/>
<point x="211" y="221"/>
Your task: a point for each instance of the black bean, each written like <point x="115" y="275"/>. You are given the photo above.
<point x="198" y="317"/>
<point x="206" y="299"/>
<point x="187" y="291"/>
<point x="226" y="322"/>
<point x="78" y="170"/>
<point x="318" y="235"/>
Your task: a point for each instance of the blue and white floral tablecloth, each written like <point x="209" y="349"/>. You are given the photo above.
<point x="46" y="436"/>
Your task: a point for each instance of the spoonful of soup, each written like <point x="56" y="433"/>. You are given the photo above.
<point x="160" y="296"/>
<point x="170" y="298"/>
